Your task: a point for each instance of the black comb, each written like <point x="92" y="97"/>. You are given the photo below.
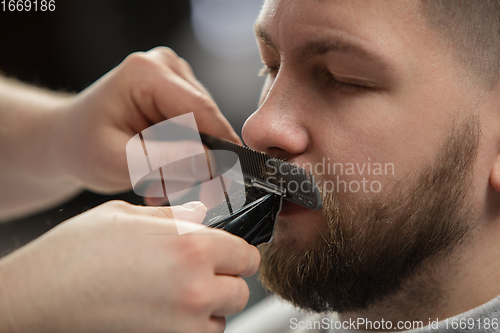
<point x="271" y="174"/>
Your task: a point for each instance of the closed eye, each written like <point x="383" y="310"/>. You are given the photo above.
<point x="331" y="81"/>
<point x="267" y="70"/>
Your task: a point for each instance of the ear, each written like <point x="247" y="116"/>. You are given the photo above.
<point x="495" y="175"/>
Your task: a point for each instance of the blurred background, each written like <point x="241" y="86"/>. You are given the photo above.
<point x="70" y="48"/>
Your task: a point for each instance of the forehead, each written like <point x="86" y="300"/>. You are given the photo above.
<point x="378" y="24"/>
<point x="341" y="11"/>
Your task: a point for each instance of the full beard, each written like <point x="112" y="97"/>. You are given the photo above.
<point x="368" y="251"/>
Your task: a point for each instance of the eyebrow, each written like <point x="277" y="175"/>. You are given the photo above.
<point x="265" y="38"/>
<point x="322" y="46"/>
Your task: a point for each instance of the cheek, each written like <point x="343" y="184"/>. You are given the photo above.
<point x="371" y="145"/>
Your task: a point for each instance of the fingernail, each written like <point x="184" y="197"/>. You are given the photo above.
<point x="193" y="205"/>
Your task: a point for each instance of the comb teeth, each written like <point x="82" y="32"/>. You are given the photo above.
<point x="273" y="174"/>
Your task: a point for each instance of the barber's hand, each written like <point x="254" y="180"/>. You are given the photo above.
<point x="146" y="88"/>
<point x="123" y="268"/>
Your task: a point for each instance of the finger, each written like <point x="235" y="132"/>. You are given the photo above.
<point x="234" y="256"/>
<point x="231" y="295"/>
<point x="161" y="93"/>
<point x="216" y="325"/>
<point x="193" y="211"/>
<point x="185" y="98"/>
<point x="190" y="211"/>
<point x="178" y="65"/>
<point x="210" y="119"/>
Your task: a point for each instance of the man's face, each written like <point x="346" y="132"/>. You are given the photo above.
<point x="363" y="94"/>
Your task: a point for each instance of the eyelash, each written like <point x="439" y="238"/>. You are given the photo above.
<point x="268" y="70"/>
<point x="331" y="81"/>
<point x="326" y="76"/>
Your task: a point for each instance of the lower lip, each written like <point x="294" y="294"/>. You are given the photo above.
<point x="288" y="208"/>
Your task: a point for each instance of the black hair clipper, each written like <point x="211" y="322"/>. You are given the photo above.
<point x="267" y="180"/>
<point x="254" y="222"/>
<point x="253" y="183"/>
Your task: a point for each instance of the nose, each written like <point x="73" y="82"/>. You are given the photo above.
<point x="278" y="126"/>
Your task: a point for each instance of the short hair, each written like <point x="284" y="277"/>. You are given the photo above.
<point x="472" y="28"/>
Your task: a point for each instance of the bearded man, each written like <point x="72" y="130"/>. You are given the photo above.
<point x="394" y="105"/>
<point x="413" y="84"/>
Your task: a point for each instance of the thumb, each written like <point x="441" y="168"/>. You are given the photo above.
<point x="193" y="211"/>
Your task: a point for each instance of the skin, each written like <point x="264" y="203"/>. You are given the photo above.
<point x="67" y="143"/>
<point x="118" y="267"/>
<point x="88" y="274"/>
<point x="412" y="91"/>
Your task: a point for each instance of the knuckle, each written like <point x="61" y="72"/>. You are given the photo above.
<point x="241" y="253"/>
<point x="117" y="219"/>
<point x="245" y="256"/>
<point x="242" y="263"/>
<point x="205" y="102"/>
<point x="165" y="53"/>
<point x="117" y="205"/>
<point x="185" y="65"/>
<point x="139" y="60"/>
<point x="136" y="58"/>
<point x="193" y="250"/>
<point x="243" y="294"/>
<point x="196" y="296"/>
